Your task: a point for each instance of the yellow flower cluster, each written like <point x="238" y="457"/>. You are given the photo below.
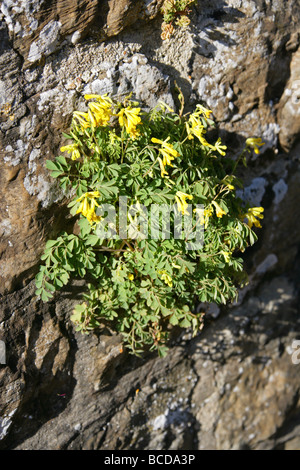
<point x="220" y="148"/>
<point x="182" y="205"/>
<point x="166" y="277"/>
<point x="204" y="215"/>
<point x="195" y="128"/>
<point x="81" y="119"/>
<point x="252" y="215"/>
<point x="227" y="256"/>
<point x="88" y="205"/>
<point x="168" y="152"/>
<point x="73" y="149"/>
<point x="255" y="143"/>
<point x="129" y="117"/>
<point x="100" y="113"/>
<point x="219" y="211"/>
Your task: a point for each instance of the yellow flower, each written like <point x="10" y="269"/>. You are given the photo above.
<point x="220" y="148"/>
<point x="165" y="277"/>
<point x="163" y="171"/>
<point x="202" y="110"/>
<point x="181" y="201"/>
<point x="200" y="213"/>
<point x="176" y="266"/>
<point x="134" y="133"/>
<point x="219" y="211"/>
<point x="252" y="214"/>
<point x="199" y="133"/>
<point x="195" y="121"/>
<point x="88" y="205"/>
<point x="130" y="277"/>
<point x="82" y="118"/>
<point x="195" y="125"/>
<point x="208" y="212"/>
<point x="254" y="143"/>
<point x="101" y="114"/>
<point x="227" y="255"/>
<point x="73" y="149"/>
<point x="197" y="129"/>
<point x="100" y="111"/>
<point x="204" y="215"/>
<point x="104" y="100"/>
<point x="227" y="182"/>
<point x="167" y="150"/>
<point x="167" y="157"/>
<point x="129" y="117"/>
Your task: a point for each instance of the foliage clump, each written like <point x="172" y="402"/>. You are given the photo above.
<point x="141" y="281"/>
<point x="175" y="13"/>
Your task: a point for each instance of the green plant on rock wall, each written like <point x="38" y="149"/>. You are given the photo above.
<point x="175" y="13"/>
<point x="159" y="224"/>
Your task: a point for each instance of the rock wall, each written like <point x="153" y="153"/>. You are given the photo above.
<point x="235" y="385"/>
<point x="38" y="28"/>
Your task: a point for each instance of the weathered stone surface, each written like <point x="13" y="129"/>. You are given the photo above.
<point x="229" y="60"/>
<point x="235" y="385"/>
<point x="232" y="387"/>
<point x="289" y="106"/>
<point x="38" y="29"/>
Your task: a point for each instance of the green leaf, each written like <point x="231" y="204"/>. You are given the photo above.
<point x="85" y="226"/>
<point x="49" y="286"/>
<point x="65" y="277"/>
<point x="51" y="243"/>
<point x="39" y="277"/>
<point x="52" y="165"/>
<point x="64" y="182"/>
<point x="56" y="174"/>
<point x="61" y="159"/>
<point x="66" y="136"/>
<point x="46" y="296"/>
<point x="173" y="320"/>
<point x="185" y="323"/>
<point x="70" y="245"/>
<point x="165" y="311"/>
<point x="92" y="240"/>
<point x="81" y="271"/>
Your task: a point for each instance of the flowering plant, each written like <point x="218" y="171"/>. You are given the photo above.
<point x="175" y="12"/>
<point x="139" y="281"/>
